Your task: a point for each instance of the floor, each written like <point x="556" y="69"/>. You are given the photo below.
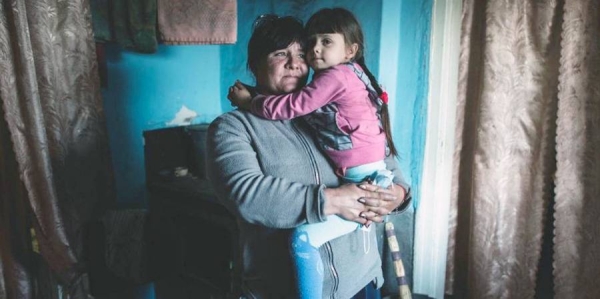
<point x="174" y="288"/>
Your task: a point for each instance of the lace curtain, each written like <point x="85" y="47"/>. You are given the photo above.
<point x="57" y="173"/>
<point x="527" y="157"/>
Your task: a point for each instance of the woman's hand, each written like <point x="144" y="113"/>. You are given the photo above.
<point x="359" y="204"/>
<point x="376" y="210"/>
<point x="239" y="96"/>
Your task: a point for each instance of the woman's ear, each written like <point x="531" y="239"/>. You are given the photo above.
<point x="351" y="51"/>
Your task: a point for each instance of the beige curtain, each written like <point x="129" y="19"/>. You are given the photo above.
<point x="528" y="143"/>
<point x="53" y="129"/>
<point x="577" y="248"/>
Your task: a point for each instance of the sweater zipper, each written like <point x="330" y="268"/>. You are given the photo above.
<point x="334" y="273"/>
<point x="307" y="148"/>
<point x="327" y="245"/>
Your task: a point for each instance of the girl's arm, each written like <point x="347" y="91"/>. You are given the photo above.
<point x="326" y="87"/>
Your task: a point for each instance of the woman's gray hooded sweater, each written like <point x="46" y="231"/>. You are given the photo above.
<point x="271" y="176"/>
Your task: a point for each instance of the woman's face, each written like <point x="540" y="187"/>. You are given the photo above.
<point x="283" y="71"/>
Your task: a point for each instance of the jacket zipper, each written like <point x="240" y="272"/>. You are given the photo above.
<point x="318" y="181"/>
<point x="334" y="273"/>
<point x="307" y="148"/>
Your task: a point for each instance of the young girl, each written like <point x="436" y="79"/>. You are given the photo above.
<point x="348" y="110"/>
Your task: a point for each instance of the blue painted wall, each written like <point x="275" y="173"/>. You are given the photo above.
<point x="233" y="58"/>
<point x="146" y="91"/>
<point x="410" y="114"/>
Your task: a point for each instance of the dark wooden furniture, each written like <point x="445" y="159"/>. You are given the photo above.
<point x="195" y="246"/>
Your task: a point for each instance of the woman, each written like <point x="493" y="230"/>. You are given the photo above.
<point x="273" y="177"/>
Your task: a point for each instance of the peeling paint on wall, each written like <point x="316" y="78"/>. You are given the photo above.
<point x="183" y="117"/>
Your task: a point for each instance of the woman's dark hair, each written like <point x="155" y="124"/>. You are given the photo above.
<point x="340" y="20"/>
<point x="271" y="33"/>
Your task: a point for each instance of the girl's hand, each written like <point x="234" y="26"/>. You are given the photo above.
<point x="239" y="96"/>
<point x="361" y="205"/>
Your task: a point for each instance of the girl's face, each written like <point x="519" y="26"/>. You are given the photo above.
<point x="282" y="71"/>
<point x="328" y="50"/>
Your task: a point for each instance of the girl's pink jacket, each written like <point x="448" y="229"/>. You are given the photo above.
<point x="340" y="107"/>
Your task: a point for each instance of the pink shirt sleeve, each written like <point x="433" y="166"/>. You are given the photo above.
<point x="326" y="87"/>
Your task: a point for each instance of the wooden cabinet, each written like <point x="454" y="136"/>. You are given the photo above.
<point x="196" y="246"/>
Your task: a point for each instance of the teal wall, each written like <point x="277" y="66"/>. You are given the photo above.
<point x="410" y="114"/>
<point x="146" y="91"/>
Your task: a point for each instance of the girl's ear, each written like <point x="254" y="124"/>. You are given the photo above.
<point x="351" y="51"/>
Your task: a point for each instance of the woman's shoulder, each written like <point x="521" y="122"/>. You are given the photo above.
<point x="232" y="119"/>
<point x="243" y="121"/>
<point x="230" y="116"/>
<point x="237" y="115"/>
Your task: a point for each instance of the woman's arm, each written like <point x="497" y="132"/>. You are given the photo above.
<point x="392" y="165"/>
<point x="400" y="187"/>
<point x="237" y="176"/>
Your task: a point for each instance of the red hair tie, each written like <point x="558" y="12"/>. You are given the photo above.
<point x="384" y="97"/>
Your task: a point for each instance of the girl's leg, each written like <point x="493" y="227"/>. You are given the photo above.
<point x="306" y="240"/>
